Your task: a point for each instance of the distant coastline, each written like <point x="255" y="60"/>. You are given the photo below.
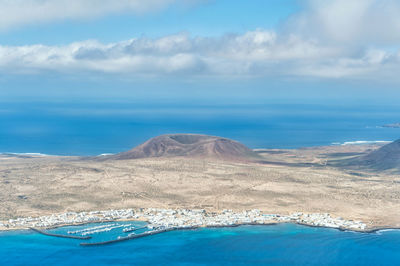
<point x="38" y="154"/>
<point x="394" y="125"/>
<point x="362" y="142"/>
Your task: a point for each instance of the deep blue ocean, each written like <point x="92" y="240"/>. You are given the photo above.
<point x="284" y="244"/>
<point x="97" y="128"/>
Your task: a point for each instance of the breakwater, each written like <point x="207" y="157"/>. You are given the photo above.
<point x="135" y="229"/>
<point x="58" y="235"/>
<point x="148" y="233"/>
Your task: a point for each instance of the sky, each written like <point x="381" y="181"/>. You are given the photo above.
<point x="200" y="50"/>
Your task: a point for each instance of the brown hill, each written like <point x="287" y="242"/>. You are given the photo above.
<point x="190" y="145"/>
<point x="384" y="158"/>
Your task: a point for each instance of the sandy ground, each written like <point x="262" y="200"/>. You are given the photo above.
<point x="304" y="180"/>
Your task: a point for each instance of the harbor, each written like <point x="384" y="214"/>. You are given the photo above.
<point x="180" y="218"/>
<point x="129" y="237"/>
<point x="58" y="235"/>
<point x="112" y="226"/>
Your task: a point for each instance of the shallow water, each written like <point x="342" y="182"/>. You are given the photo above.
<point x="283" y="244"/>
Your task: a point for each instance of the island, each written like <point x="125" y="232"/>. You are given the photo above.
<point x="187" y="181"/>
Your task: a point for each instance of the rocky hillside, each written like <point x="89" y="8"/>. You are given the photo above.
<point x="190" y="145"/>
<point x="384" y="158"/>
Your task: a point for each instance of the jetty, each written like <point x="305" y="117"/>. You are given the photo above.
<point x="148" y="233"/>
<point x="134" y="229"/>
<point x="58" y="235"/>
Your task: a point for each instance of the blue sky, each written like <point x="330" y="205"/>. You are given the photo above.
<point x="190" y="50"/>
<point x="211" y="18"/>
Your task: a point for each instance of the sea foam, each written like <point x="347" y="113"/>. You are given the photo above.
<point x="361" y="142"/>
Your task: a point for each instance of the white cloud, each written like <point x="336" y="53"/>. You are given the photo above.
<point x="328" y="39"/>
<point x="22" y="12"/>
<point x="255" y="53"/>
<point x="349" y="22"/>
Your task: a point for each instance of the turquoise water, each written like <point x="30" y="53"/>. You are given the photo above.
<point x="284" y="244"/>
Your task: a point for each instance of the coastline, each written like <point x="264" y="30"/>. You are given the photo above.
<point x="162" y="218"/>
<point x="157" y="231"/>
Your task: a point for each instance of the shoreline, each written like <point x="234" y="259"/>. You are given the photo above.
<point x="258" y="149"/>
<point x="187" y="228"/>
<point x="155" y="232"/>
<point x="197" y="218"/>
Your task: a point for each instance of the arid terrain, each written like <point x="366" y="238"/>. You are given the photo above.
<point x="281" y="181"/>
